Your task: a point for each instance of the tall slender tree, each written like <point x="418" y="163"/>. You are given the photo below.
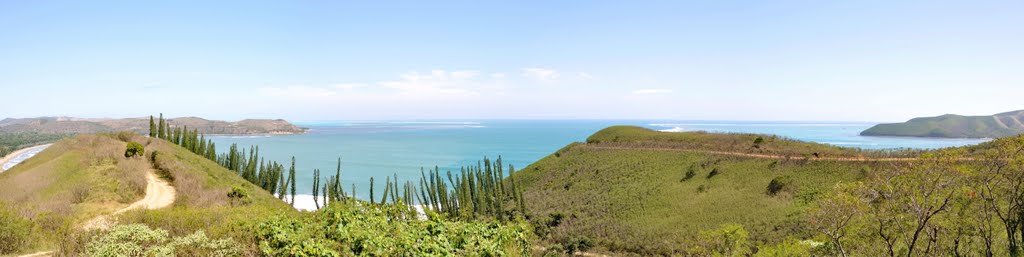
<point x="291" y="177"/>
<point x="152" y="127"/>
<point x="161" y="131"/>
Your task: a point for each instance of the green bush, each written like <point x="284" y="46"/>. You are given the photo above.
<point x="578" y="244"/>
<point x="134" y="149"/>
<point x="690" y="172"/>
<point x="140" y="240"/>
<point x="714" y="172"/>
<point x="14" y="231"/>
<point x="361" y="229"/>
<point x="238" y="195"/>
<point x="788" y="248"/>
<point x="778" y="184"/>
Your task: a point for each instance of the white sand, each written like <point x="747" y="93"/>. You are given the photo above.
<point x="20" y="155"/>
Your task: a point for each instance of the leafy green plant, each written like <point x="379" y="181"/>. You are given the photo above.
<point x="15" y="231"/>
<point x="140" y="240"/>
<point x="134" y="149"/>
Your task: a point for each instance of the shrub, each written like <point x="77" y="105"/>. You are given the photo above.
<point x="778" y="184"/>
<point x="690" y="173"/>
<point x="359" y="229"/>
<point x="578" y="244"/>
<point x="702" y="188"/>
<point x="14" y="231"/>
<point x="713" y="173"/>
<point x="124" y="136"/>
<point x="238" y="195"/>
<point x="134" y="149"/>
<point x="140" y="240"/>
<point x="758" y="141"/>
<point x="727" y="240"/>
<point x="79" y="193"/>
<point x="788" y="248"/>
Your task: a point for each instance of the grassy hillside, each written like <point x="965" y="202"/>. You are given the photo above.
<point x="954" y="126"/>
<point x="627" y="188"/>
<point x="87" y="175"/>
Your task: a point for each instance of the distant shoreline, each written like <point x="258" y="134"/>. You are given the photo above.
<point x="19" y="152"/>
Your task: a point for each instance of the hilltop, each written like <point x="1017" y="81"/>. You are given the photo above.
<point x="954" y="126"/>
<point x="68" y="125"/>
<point x="63" y="188"/>
<point x="634" y="191"/>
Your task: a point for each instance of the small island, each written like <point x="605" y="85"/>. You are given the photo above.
<point x="954" y="126"/>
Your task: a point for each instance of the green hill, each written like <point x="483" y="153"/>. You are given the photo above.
<point x="627" y="188"/>
<point x="84" y="176"/>
<point x="954" y="126"/>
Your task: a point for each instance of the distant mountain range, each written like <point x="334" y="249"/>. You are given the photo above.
<point x="141" y="125"/>
<point x="955" y="126"/>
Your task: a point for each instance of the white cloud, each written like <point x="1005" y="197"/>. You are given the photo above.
<point x="498" y="75"/>
<point x="297" y="92"/>
<point x="349" y="86"/>
<point x="584" y="75"/>
<point x="540" y="74"/>
<point x="651" y="91"/>
<point x="435" y="82"/>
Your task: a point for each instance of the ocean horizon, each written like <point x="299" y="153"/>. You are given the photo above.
<point x="381" y="149"/>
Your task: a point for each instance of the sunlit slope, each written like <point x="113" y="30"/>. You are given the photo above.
<point x="85" y="176"/>
<point x="627" y="189"/>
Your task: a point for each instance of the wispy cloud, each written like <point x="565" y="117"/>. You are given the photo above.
<point x="540" y="74"/>
<point x="349" y="86"/>
<point x="435" y="82"/>
<point x="584" y="75"/>
<point x="651" y="91"/>
<point x="297" y="92"/>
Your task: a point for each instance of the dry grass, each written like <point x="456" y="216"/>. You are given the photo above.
<point x="73" y="180"/>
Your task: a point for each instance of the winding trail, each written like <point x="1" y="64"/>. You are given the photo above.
<point x="159" y="194"/>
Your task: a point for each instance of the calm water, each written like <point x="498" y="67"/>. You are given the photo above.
<point x="379" y="149"/>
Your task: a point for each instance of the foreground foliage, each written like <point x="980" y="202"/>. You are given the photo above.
<point x="363" y="229"/>
<point x="140" y="240"/>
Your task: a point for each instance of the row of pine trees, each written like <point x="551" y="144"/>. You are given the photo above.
<point x="268" y="175"/>
<point x="479" y="191"/>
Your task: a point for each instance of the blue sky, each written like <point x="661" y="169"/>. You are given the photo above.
<point x="328" y="60"/>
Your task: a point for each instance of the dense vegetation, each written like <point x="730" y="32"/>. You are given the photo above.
<point x="954" y="126"/>
<point x="10" y="142"/>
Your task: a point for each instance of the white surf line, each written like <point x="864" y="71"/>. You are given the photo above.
<point x="20" y="155"/>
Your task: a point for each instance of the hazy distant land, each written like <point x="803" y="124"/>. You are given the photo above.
<point x="68" y="125"/>
<point x="954" y="126"/>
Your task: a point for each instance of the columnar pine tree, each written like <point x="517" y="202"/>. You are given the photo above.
<point x="161" y="132"/>
<point x="152" y="127"/>
<point x="291" y="178"/>
<point x="316" y="187"/>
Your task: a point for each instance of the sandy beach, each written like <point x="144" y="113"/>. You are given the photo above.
<point x="19" y="152"/>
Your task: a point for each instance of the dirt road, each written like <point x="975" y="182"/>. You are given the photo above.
<point x="159" y="194"/>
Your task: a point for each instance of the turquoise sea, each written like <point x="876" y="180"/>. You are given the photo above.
<point x="379" y="149"/>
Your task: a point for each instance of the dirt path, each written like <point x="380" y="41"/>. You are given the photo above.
<point x="15" y="154"/>
<point x="159" y="194"/>
<point x="755" y="155"/>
